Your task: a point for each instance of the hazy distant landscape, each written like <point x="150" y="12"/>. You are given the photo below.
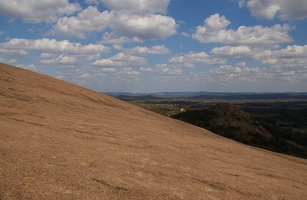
<point x="276" y="121"/>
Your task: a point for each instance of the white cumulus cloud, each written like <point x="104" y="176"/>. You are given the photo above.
<point x="154" y="50"/>
<point x="120" y="60"/>
<point x="268" y="9"/>
<point x="241" y="52"/>
<point x="61" y="59"/>
<point x="122" y="23"/>
<point x="108" y="70"/>
<point x="52" y="46"/>
<point x="291" y="56"/>
<point x="229" y="73"/>
<point x="148" y="26"/>
<point x="138" y="6"/>
<point x="165" y="69"/>
<point x="128" y="72"/>
<point x="88" y="20"/>
<point x="294" y="51"/>
<point x="112" y="38"/>
<point x="34" y="11"/>
<point x="214" y="30"/>
<point x="191" y="59"/>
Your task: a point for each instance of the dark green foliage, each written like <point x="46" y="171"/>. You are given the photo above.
<point x="197" y="117"/>
<point x="209" y="119"/>
<point x="287" y="123"/>
<point x="281" y="125"/>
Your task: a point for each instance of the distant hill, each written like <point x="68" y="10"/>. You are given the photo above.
<point x="254" y="96"/>
<point x="212" y="95"/>
<point x="230" y="121"/>
<point x="62" y="141"/>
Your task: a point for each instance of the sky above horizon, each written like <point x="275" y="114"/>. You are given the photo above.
<point x="160" y="45"/>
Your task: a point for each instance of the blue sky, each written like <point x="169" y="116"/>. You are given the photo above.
<point x="160" y="45"/>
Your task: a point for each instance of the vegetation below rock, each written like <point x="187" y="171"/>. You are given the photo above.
<point x="232" y="122"/>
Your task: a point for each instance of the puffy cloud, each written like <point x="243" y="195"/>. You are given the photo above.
<point x="111" y="38"/>
<point x="129" y="72"/>
<point x="120" y="60"/>
<point x="108" y="63"/>
<point x="47" y="55"/>
<point x="130" y="21"/>
<point x="226" y="69"/>
<point x="295" y="56"/>
<point x="143" y="50"/>
<point x="88" y="20"/>
<point x="233" y="52"/>
<point x="34" y="11"/>
<point x="52" y="46"/>
<point x="213" y="26"/>
<point x="290" y="74"/>
<point x="292" y="56"/>
<point x="263" y="9"/>
<point x="143" y="69"/>
<point x="289" y="58"/>
<point x="228" y="73"/>
<point x="154" y="50"/>
<point x="165" y="69"/>
<point x="191" y="59"/>
<point x="53" y="51"/>
<point x="241" y="52"/>
<point x="62" y="59"/>
<point x="148" y="26"/>
<point x="241" y="64"/>
<point x="138" y="6"/>
<point x="12" y="52"/>
<point x="295" y="51"/>
<point x="214" y="31"/>
<point x="287" y="64"/>
<point x="268" y="9"/>
<point x="108" y="70"/>
<point x="216" y="22"/>
<point x="123" y="23"/>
